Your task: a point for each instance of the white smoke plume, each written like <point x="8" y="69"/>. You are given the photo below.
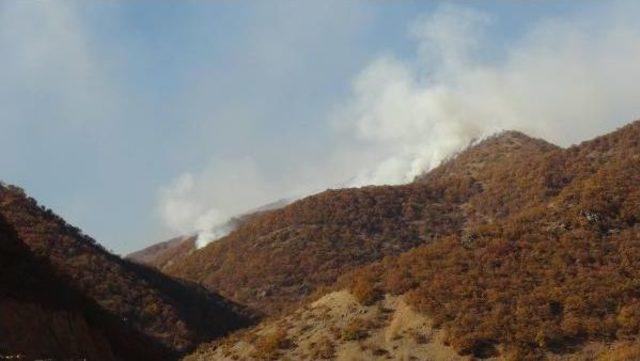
<point x="565" y="79"/>
<point x="206" y="202"/>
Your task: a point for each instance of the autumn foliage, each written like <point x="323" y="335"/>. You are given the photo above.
<point x="523" y="281"/>
<point x="281" y="256"/>
<point x="514" y="247"/>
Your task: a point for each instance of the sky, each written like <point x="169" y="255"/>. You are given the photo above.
<point x="138" y="121"/>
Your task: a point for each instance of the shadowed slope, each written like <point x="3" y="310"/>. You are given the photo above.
<point x="42" y="317"/>
<point x="174" y="314"/>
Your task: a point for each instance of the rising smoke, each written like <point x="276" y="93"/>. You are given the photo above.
<point x="565" y="80"/>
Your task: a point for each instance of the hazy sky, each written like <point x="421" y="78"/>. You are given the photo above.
<point x="140" y="120"/>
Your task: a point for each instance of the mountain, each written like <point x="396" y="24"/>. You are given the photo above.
<point x="559" y="273"/>
<point x="513" y="249"/>
<point x="172" y="316"/>
<point x="340" y="327"/>
<point x="163" y="254"/>
<point x="41" y="317"/>
<point x="280" y="257"/>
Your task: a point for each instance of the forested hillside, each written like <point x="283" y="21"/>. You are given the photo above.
<point x="173" y="315"/>
<point x="164" y="254"/>
<point x="280" y="257"/>
<point x="553" y="275"/>
<point x="514" y="248"/>
<point x="41" y="317"/>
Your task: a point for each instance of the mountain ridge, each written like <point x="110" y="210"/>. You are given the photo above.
<point x="42" y="317"/>
<point x="515" y="254"/>
<point x="369" y="223"/>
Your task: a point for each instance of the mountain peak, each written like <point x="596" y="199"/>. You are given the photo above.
<point x="489" y="152"/>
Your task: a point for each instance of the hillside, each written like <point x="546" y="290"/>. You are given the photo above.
<point x="173" y="315"/>
<point x="43" y="318"/>
<point x="337" y="327"/>
<point x="514" y="248"/>
<point x="340" y="327"/>
<point x="280" y="257"/>
<point x="164" y="254"/>
<point x="550" y="277"/>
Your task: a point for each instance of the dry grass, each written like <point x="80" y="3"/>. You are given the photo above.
<point x="268" y="346"/>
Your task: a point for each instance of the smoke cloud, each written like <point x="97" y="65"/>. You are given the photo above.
<point x="565" y="79"/>
<point x="205" y="202"/>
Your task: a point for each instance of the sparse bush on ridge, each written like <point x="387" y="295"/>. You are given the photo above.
<point x="267" y="347"/>
<point x="356" y="329"/>
<point x="365" y="290"/>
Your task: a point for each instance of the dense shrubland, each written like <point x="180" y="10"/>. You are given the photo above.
<point x="544" y="277"/>
<point x="280" y="257"/>
<point x="283" y="255"/>
<point x="514" y="247"/>
<point x="42" y="317"/>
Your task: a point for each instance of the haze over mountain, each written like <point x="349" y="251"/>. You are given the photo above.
<point x="462" y="79"/>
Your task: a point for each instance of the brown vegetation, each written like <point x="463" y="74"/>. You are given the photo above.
<point x="267" y="347"/>
<point x="174" y="315"/>
<point x="541" y="278"/>
<point x="164" y="254"/>
<point x="41" y="317"/>
<point x="279" y="257"/>
<point x="355" y="330"/>
<point x="513" y="247"/>
<point x="626" y="351"/>
<point x="324" y="349"/>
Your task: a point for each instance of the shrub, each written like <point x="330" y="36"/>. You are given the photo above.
<point x="268" y="346"/>
<point x="365" y="290"/>
<point x="356" y="329"/>
<point x="323" y="349"/>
